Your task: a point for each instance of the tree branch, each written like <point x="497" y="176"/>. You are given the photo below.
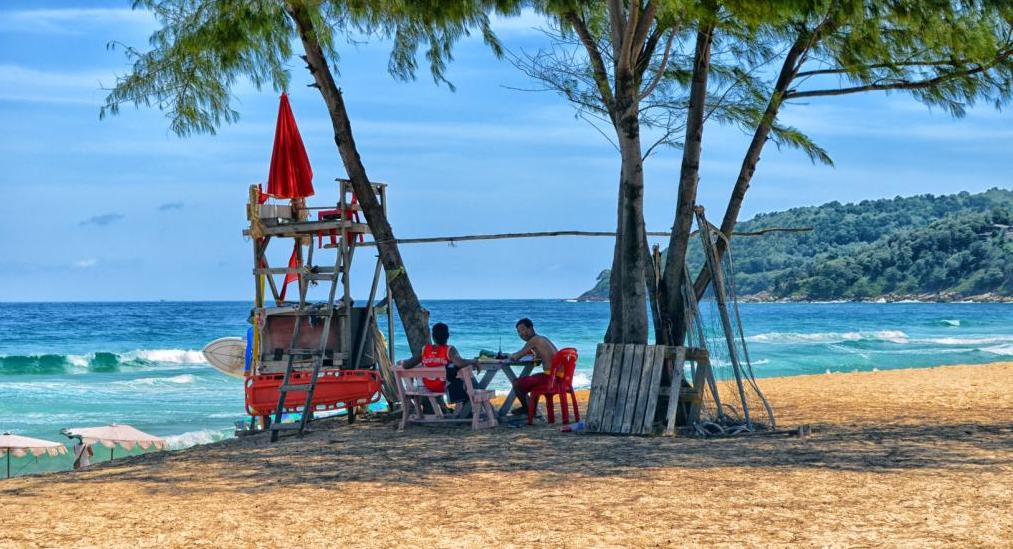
<point x="660" y="73"/>
<point x="902" y="84"/>
<point x="601" y="77"/>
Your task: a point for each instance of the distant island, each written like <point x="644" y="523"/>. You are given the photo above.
<point x="925" y="248"/>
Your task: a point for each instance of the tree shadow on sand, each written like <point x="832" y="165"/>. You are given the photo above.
<point x="373" y="451"/>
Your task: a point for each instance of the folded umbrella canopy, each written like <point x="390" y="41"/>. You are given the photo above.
<point x="111" y="435"/>
<point x="291" y="175"/>
<point x="22" y="446"/>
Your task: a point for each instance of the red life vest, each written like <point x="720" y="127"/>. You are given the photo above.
<point x="435" y="356"/>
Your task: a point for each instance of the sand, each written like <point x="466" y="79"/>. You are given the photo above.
<point x="905" y="458"/>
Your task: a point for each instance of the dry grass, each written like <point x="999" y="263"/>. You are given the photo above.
<point x="900" y="458"/>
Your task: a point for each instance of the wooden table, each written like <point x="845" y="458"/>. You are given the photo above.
<point x="491" y="366"/>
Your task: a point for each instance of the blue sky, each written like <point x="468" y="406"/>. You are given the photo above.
<point x="121" y="209"/>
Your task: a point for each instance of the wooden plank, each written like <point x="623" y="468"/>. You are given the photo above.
<point x="673" y="395"/>
<point x="651" y="408"/>
<point x="644" y="387"/>
<point x="621" y="387"/>
<point x="599" y="383"/>
<point x="615" y="376"/>
<point x="311" y="228"/>
<point x="631" y="385"/>
<point x="609" y="360"/>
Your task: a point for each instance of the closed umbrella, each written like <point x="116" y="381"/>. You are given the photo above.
<point x="22" y="446"/>
<point x="111" y="435"/>
<point x="291" y="175"/>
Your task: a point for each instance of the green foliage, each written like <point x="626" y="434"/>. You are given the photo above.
<point x="205" y="47"/>
<point x="959" y="244"/>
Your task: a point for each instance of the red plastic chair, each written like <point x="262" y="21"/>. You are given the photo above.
<point x="349" y="213"/>
<point x="564" y="362"/>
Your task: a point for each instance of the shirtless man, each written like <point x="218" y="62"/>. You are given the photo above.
<point x="542" y="349"/>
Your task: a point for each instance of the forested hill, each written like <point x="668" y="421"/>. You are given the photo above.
<point x="920" y="247"/>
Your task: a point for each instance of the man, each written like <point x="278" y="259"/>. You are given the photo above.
<point x="542" y="349"/>
<point x="82" y="454"/>
<point x="442" y="355"/>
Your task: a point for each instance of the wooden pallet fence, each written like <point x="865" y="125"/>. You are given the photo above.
<point x="626" y="385"/>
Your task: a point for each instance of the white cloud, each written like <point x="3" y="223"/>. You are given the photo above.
<point x="19" y="83"/>
<point x="85" y="263"/>
<point x="71" y="20"/>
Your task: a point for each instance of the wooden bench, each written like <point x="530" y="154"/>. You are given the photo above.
<point x="413" y="393"/>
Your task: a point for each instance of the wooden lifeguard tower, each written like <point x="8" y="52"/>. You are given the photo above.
<point x="310" y="356"/>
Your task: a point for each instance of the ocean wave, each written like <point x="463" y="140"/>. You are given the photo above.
<point x="581" y="380"/>
<point x="95" y="362"/>
<point x="182" y="379"/>
<point x="950" y="322"/>
<point x="193" y="438"/>
<point x="994" y="340"/>
<point x="892" y="336"/>
<point x="1002" y="350"/>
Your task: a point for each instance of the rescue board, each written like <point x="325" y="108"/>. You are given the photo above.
<point x="227" y="355"/>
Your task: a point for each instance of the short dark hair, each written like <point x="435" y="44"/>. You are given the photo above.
<point x="441" y="333"/>
<point x="526" y="322"/>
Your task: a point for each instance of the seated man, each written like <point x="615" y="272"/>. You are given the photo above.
<point x="542" y="349"/>
<point x="442" y="355"/>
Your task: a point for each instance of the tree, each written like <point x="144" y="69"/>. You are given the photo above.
<point x="621" y="65"/>
<point x="205" y="46"/>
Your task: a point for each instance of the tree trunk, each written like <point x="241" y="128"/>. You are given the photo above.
<point x="784" y="79"/>
<point x="414" y="318"/>
<point x="688" y="180"/>
<point x="627" y="287"/>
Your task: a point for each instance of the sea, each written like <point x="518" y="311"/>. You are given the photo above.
<point x="65" y="365"/>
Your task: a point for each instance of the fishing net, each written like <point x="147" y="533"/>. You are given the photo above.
<point x="734" y="402"/>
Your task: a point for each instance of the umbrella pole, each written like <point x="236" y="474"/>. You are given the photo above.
<point x="8" y="463"/>
<point x="111" y="453"/>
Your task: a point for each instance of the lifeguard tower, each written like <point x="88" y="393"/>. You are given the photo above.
<point x="310" y="356"/>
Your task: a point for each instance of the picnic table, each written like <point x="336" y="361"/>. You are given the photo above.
<point x="489" y="367"/>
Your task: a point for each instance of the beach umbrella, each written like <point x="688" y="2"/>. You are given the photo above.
<point x="22" y="446"/>
<point x="291" y="175"/>
<point x="111" y="435"/>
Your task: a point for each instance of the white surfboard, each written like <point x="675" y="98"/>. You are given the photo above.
<point x="227" y="355"/>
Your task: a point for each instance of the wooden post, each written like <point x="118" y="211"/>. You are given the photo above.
<point x="366" y="322"/>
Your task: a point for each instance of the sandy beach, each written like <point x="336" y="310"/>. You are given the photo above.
<point x="920" y="457"/>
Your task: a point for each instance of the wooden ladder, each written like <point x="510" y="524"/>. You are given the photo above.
<point x="304" y="312"/>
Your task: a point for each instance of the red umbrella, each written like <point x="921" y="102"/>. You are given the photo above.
<point x="291" y="175"/>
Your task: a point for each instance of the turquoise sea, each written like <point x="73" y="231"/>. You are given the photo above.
<point x="88" y="364"/>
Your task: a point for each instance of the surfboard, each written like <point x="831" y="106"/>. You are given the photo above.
<point x="227" y="355"/>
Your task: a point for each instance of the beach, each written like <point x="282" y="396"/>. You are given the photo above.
<point x="913" y="457"/>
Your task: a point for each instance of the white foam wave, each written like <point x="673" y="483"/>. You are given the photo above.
<point x="182" y="379"/>
<point x="951" y="322"/>
<point x="80" y="361"/>
<point x="1002" y="350"/>
<point x="581" y="380"/>
<point x="175" y="356"/>
<point x="966" y="340"/>
<point x="892" y="336"/>
<point x="193" y="438"/>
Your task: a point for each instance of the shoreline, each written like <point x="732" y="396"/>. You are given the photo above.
<point x="884" y="299"/>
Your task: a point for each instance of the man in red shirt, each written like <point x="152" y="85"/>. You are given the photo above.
<point x="440" y="354"/>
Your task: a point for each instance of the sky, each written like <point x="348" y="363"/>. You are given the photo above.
<point x="121" y="209"/>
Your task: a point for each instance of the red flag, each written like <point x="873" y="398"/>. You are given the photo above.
<point x="291" y="175"/>
<point x="293" y="263"/>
